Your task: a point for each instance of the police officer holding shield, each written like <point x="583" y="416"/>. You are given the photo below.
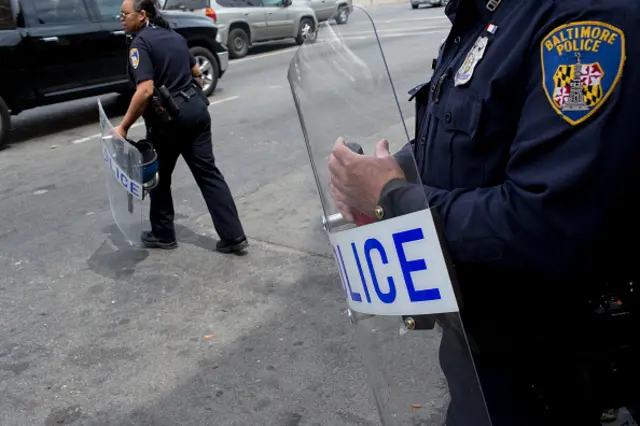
<point x="526" y="139"/>
<point x="175" y="112"/>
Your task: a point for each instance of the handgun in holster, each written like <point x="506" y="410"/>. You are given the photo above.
<point x="164" y="106"/>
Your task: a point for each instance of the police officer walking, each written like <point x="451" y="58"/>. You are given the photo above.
<point x="162" y="67"/>
<point x="527" y="141"/>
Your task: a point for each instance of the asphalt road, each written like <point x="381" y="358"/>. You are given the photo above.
<point x="97" y="333"/>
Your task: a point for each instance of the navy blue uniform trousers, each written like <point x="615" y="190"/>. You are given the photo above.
<point x="190" y="136"/>
<point x="510" y="400"/>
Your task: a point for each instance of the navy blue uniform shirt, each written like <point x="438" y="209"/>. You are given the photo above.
<point x="528" y="144"/>
<point x="161" y="55"/>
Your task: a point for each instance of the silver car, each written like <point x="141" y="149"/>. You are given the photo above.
<point x="339" y="10"/>
<point x="416" y="3"/>
<point x="242" y="23"/>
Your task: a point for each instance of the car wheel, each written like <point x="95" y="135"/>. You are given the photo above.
<point x="238" y="43"/>
<point x="5" y="123"/>
<point x="209" y="67"/>
<point x="307" y="31"/>
<point x="342" y="16"/>
<point x="414" y="6"/>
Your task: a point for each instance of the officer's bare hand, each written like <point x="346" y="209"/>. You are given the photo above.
<point x="121" y="131"/>
<point x="357" y="180"/>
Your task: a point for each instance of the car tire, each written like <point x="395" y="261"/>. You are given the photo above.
<point x="209" y="67"/>
<point x="414" y="6"/>
<point x="306" y="25"/>
<point x="5" y="123"/>
<point x="343" y="15"/>
<point x="238" y="43"/>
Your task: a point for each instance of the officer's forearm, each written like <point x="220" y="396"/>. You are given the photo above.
<point x="138" y="104"/>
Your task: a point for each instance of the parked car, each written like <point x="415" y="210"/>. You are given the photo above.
<point x="416" y="3"/>
<point x="330" y="9"/>
<point x="60" y="50"/>
<point x="242" y="23"/>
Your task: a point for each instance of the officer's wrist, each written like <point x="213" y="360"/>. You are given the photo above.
<point x="388" y="202"/>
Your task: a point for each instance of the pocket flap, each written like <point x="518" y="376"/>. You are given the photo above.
<point x="461" y="112"/>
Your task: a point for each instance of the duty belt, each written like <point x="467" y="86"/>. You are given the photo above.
<point x="184" y="95"/>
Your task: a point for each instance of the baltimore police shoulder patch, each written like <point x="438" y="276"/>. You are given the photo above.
<point x="581" y="65"/>
<point x="134" y="55"/>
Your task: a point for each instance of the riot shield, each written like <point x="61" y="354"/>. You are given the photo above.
<point x="123" y="165"/>
<point x="396" y="279"/>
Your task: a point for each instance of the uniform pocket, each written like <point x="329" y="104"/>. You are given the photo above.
<point x="459" y="117"/>
<point x="461" y="112"/>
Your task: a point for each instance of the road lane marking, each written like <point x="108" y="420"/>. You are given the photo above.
<point x="403" y="30"/>
<point x="385" y="36"/>
<point x="345" y="33"/>
<point x="88" y="138"/>
<point x="219" y="101"/>
<point x="264" y="55"/>
<point x="141" y="123"/>
<point x="425" y="18"/>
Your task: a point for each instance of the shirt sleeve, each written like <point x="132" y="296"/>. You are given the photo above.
<point x="407" y="162"/>
<point x="140" y="61"/>
<point x="569" y="172"/>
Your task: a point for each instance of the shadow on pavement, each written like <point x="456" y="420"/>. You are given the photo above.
<point x="119" y="262"/>
<point x="297" y="368"/>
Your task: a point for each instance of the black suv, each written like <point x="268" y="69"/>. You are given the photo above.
<point x="61" y="50"/>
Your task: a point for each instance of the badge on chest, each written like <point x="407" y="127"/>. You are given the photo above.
<point x="475" y="55"/>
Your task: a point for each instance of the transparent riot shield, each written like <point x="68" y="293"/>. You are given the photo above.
<point x="123" y="167"/>
<point x="396" y="279"/>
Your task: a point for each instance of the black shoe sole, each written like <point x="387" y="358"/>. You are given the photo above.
<point x="233" y="248"/>
<point x="160" y="245"/>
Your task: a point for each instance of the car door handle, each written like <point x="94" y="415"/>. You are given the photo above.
<point x="50" y="39"/>
<point x="118" y="32"/>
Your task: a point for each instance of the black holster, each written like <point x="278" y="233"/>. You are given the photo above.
<point x="164" y="106"/>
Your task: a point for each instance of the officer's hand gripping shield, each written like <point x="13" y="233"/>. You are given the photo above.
<point x="396" y="279"/>
<point x="124" y="168"/>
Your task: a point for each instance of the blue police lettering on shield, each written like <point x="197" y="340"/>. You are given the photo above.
<point x="394" y="267"/>
<point x="127" y="183"/>
<point x="370" y="245"/>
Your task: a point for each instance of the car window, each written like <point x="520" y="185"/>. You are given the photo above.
<point x="239" y="3"/>
<point x="187" y="4"/>
<point x="109" y="9"/>
<point x="61" y="11"/>
<point x="271" y="3"/>
<point x="6" y="18"/>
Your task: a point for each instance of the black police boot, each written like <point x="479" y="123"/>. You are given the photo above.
<point x="151" y="241"/>
<point x="230" y="246"/>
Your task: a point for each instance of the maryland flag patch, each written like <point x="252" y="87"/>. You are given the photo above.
<point x="582" y="63"/>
